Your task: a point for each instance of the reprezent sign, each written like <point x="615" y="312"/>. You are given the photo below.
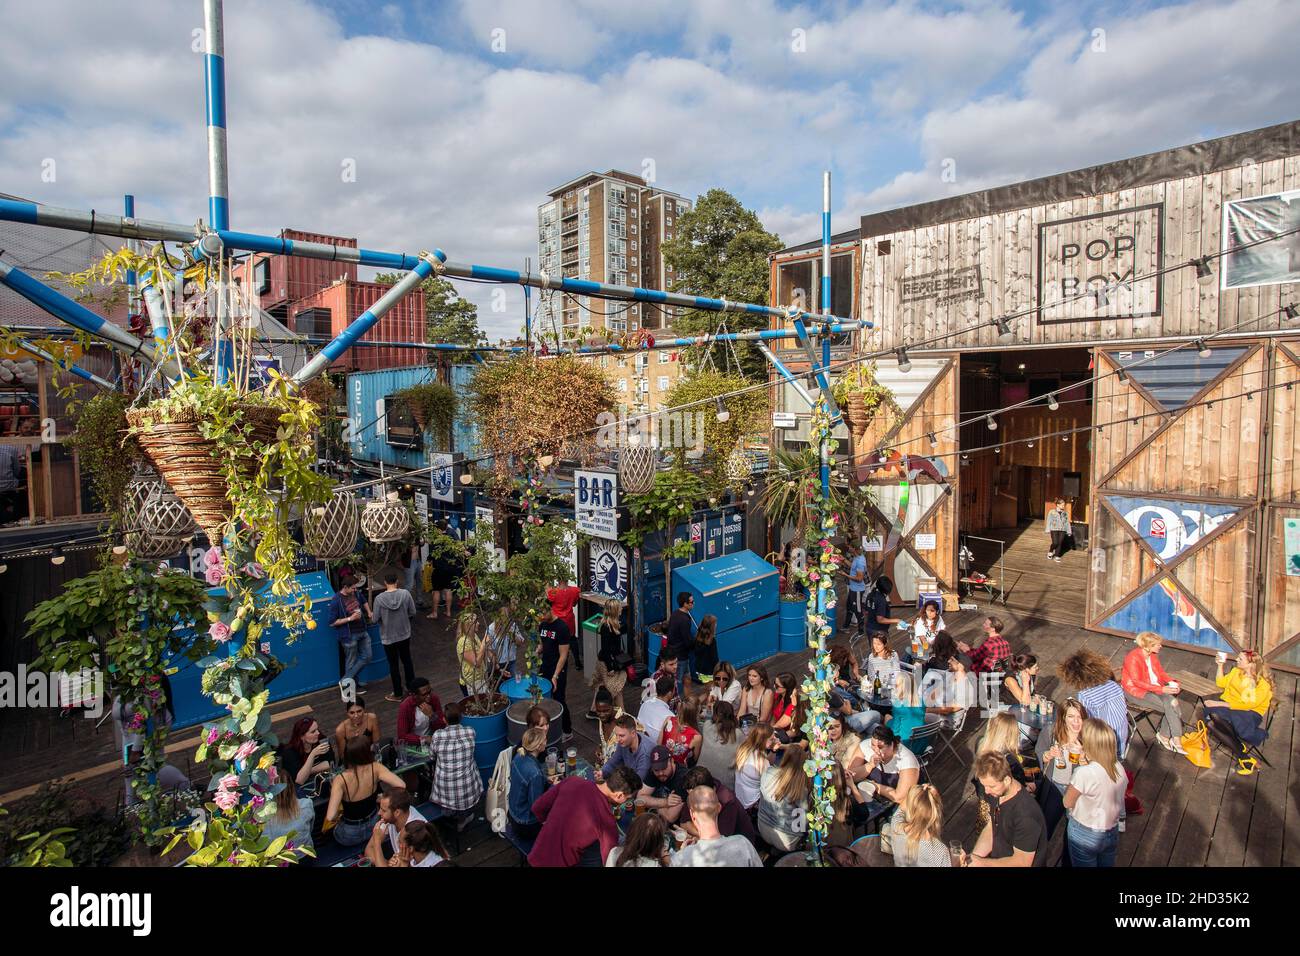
<point x="1108" y="251"/>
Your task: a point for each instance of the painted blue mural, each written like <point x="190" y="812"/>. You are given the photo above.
<point x="1169" y="526"/>
<point x="1164" y="609"/>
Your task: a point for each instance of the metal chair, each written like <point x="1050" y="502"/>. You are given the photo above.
<point x="948" y="741"/>
<point x="1143" y="716"/>
<point x="921" y="743"/>
<point x="1226" y="737"/>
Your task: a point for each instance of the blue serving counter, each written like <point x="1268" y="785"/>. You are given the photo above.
<point x="741" y="590"/>
<point x="311" y="663"/>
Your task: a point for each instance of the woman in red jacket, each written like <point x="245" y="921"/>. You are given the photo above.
<point x="1148" y="686"/>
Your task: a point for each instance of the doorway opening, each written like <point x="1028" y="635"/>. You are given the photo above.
<point x="1012" y="475"/>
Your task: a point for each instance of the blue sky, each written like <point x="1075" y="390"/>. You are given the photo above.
<point x="457" y="116"/>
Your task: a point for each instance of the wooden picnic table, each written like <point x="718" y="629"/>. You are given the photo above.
<point x="1202" y="688"/>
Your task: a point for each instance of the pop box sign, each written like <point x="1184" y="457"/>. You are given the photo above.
<point x="595" y="503"/>
<point x="1108" y="250"/>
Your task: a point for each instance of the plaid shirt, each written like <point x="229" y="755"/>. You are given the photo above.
<point x="990" y="655"/>
<point x="457" y="784"/>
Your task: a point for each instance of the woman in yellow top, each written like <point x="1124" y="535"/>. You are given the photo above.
<point x="1247" y="692"/>
<point x="473" y="653"/>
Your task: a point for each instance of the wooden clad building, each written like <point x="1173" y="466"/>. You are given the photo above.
<point x="1147" y="378"/>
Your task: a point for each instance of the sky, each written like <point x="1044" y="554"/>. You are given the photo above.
<point x="416" y="125"/>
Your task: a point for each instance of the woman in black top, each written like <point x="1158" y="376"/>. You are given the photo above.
<point x="705" y="649"/>
<point x="354" y="809"/>
<point x="611" y="634"/>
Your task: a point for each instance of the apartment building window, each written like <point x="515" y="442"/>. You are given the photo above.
<point x="668" y="221"/>
<point x="604" y="361"/>
<point x="634" y="245"/>
<point x="634" y="230"/>
<point x="622" y="385"/>
<point x="667" y="236"/>
<point x="631" y="211"/>
<point x="664" y="358"/>
<point x="622" y="363"/>
<point x="663" y="383"/>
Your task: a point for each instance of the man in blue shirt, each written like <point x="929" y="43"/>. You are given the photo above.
<point x="878" y="619"/>
<point x="634" y="749"/>
<point x="346" y="614"/>
<point x="853" y="614"/>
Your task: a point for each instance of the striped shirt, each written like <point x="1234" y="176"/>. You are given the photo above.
<point x="1107" y="702"/>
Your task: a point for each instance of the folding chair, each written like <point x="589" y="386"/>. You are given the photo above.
<point x="1143" y="716"/>
<point x="1226" y="737"/>
<point x="948" y="742"/>
<point x="921" y="743"/>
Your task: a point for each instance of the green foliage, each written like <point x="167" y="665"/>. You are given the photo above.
<point x="448" y="317"/>
<point x="749" y="412"/>
<point x="233" y="839"/>
<point x="671" y="500"/>
<point x="529" y="406"/>
<point x="54" y="827"/>
<point x="793" y="486"/>
<point x="720" y="249"/>
<point x="434" y="406"/>
<point x="108" y="454"/>
<point x="122" y="618"/>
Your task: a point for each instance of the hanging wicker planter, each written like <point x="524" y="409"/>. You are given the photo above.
<point x="192" y="465"/>
<point x="143" y="488"/>
<point x="636" y="469"/>
<point x="736" y="469"/>
<point x="385" y="519"/>
<point x="164" y="516"/>
<point x="330" y="530"/>
<point x="857" y="416"/>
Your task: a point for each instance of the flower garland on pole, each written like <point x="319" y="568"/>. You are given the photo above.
<point x="823" y="562"/>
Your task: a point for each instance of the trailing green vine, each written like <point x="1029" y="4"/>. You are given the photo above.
<point x="108" y="454"/>
<point x="122" y="619"/>
<point x="433" y="406"/>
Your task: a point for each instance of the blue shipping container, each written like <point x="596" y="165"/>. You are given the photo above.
<point x="367" y="395"/>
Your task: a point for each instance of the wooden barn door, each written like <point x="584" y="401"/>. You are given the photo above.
<point x="1280" y="614"/>
<point x="914" y="515"/>
<point x="1181" y="494"/>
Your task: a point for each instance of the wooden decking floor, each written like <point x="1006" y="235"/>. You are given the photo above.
<point x="1192" y="817"/>
<point x="1035" y="585"/>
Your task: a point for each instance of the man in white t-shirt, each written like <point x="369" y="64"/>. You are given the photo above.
<point x="712" y="848"/>
<point x="883" y="762"/>
<point x="395" y="812"/>
<point x="655" y="713"/>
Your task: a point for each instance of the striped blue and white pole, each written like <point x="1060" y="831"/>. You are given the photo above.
<point x="786" y="374"/>
<point x="132" y="294"/>
<point x="77" y="315"/>
<point x="154" y="305"/>
<point x="366" y="320"/>
<point x="93" y="221"/>
<point x="214" y="76"/>
<point x="76" y="370"/>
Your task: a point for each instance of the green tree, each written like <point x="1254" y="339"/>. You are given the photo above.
<point x="448" y="317"/>
<point x="720" y="249"/>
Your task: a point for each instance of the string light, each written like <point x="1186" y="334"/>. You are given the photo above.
<point x="1004" y="328"/>
<point x="57" y="557"/>
<point x="1202" y="348"/>
<point x="722" y="414"/>
<point x="1102" y="296"/>
<point x="1204" y="271"/>
<point x="993" y="425"/>
<point x="1292" y="311"/>
<point x="1123" y="375"/>
<point x="1052" y="403"/>
<point x="904" y="363"/>
<point x="934" y="442"/>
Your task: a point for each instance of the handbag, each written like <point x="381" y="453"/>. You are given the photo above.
<point x="1197" y="745"/>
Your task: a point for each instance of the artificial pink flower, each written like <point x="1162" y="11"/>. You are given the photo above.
<point x="257" y="801"/>
<point x="229" y="782"/>
<point x="213" y="575"/>
<point x="219" y="631"/>
<point x="272" y="775"/>
<point x="246" y="750"/>
<point x="226" y="799"/>
<point x="212" y="558"/>
<point x="254" y="570"/>
<point x="213" y="734"/>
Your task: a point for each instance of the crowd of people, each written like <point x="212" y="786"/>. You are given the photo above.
<point x="707" y="767"/>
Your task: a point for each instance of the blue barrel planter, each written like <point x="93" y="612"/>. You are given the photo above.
<point x="489" y="738"/>
<point x="792" y="634"/>
<point x="521" y="688"/>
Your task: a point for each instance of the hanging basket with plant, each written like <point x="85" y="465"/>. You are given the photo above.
<point x="433" y="406"/>
<point x="862" y="398"/>
<point x="529" y="405"/>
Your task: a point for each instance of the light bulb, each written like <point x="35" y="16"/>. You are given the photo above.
<point x="1204" y="273"/>
<point x="57" y="557"/>
<point x="904" y="363"/>
<point x="1052" y="403"/>
<point x="1203" y="349"/>
<point x="466" y="478"/>
<point x="993" y="425"/>
<point x="722" y="414"/>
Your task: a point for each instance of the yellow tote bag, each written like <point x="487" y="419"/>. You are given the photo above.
<point x="1197" y="745"/>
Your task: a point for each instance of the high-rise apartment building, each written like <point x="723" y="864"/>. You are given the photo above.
<point x="610" y="227"/>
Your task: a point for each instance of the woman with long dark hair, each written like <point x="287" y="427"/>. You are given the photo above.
<point x="307" y="755"/>
<point x="755" y="698"/>
<point x="705" y="648"/>
<point x="644" y="845"/>
<point x="354" y="794"/>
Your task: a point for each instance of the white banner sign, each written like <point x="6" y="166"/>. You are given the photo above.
<point x="924" y="542"/>
<point x="442" y="483"/>
<point x="595" y="503"/>
<point x="422" y="505"/>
